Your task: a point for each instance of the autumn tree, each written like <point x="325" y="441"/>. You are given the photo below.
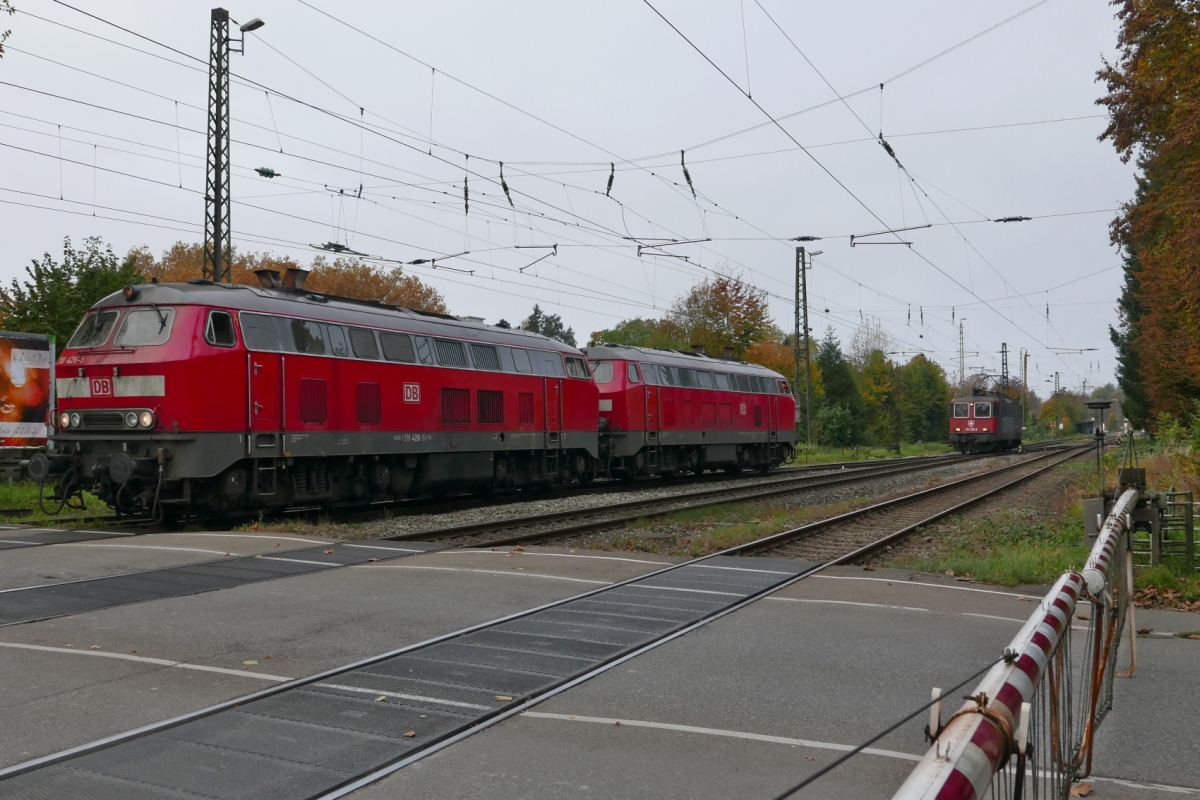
<point x="659" y="333"/>
<point x="344" y="277"/>
<point x="5" y="8"/>
<point x="1153" y="100"/>
<point x="925" y="400"/>
<point x="723" y="313"/>
<point x="55" y="295"/>
<point x="841" y="416"/>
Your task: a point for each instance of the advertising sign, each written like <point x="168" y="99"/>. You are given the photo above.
<point x="25" y="362"/>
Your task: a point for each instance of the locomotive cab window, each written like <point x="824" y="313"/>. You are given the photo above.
<point x="743" y="382"/>
<point x="602" y="371"/>
<point x="363" y="343"/>
<point x="687" y="377"/>
<point x="962" y="410"/>
<point x="983" y="410"/>
<point x="722" y="380"/>
<point x="145" y="327"/>
<point x="307" y="337"/>
<point x="650" y="373"/>
<point x="665" y="377"/>
<point x="706" y="380"/>
<point x="576" y="367"/>
<point x="218" y="331"/>
<point x="631" y="372"/>
<point x="94" y="329"/>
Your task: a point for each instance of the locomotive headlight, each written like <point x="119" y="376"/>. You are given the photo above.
<point x="146" y="419"/>
<point x="64" y="420"/>
<point x="75" y="420"/>
<point x="131" y="419"/>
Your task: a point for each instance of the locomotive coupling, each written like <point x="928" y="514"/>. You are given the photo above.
<point x="123" y="468"/>
<point x="42" y="466"/>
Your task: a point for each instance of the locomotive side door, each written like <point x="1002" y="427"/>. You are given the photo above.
<point x="554" y="404"/>
<point x="652" y="415"/>
<point x="265" y="374"/>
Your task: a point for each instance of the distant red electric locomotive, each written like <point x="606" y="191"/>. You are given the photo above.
<point x="663" y="411"/>
<point x="225" y="399"/>
<point x="985" y="422"/>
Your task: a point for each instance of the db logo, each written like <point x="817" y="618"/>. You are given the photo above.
<point x="412" y="392"/>
<point x="742" y="409"/>
<point x="101" y="387"/>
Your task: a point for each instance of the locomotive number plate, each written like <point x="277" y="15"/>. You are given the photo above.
<point x="412" y="392"/>
<point x="101" y="387"/>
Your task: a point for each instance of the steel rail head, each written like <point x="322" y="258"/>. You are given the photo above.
<point x="978" y="740"/>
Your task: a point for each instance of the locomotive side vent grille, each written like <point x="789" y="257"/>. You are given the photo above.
<point x="102" y="420"/>
<point x="491" y="406"/>
<point x="456" y="406"/>
<point x="370" y="409"/>
<point x="485" y="356"/>
<point x="313" y="405"/>
<point x="450" y="353"/>
<point x="525" y="409"/>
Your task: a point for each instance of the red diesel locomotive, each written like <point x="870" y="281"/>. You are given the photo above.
<point x="215" y="398"/>
<point x="220" y="399"/>
<point x="663" y="411"/>
<point x="985" y="422"/>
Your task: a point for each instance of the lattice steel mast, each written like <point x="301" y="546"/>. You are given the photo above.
<point x="218" y="244"/>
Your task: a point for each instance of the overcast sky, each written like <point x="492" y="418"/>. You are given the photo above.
<point x="574" y="87"/>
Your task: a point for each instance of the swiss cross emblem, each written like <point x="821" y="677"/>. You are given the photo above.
<point x="412" y="392"/>
<point x="101" y="387"/>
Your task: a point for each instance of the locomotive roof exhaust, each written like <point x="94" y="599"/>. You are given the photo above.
<point x="268" y="278"/>
<point x="294" y="278"/>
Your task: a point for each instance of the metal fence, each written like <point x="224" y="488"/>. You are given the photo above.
<point x="1028" y="728"/>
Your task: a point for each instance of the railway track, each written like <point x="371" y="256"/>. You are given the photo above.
<point x="14" y="537"/>
<point x="36" y="603"/>
<point x="330" y="734"/>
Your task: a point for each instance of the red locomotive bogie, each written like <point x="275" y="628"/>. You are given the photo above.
<point x="217" y="398"/>
<point x="664" y="411"/>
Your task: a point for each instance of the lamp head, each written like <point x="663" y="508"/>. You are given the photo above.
<point x="252" y="25"/>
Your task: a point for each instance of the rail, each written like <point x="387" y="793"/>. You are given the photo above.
<point x="1028" y="728"/>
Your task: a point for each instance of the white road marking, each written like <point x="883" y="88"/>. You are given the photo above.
<point x="146" y="547"/>
<point x="418" y="698"/>
<point x="247" y="536"/>
<point x="162" y="662"/>
<point x="694" y="591"/>
<point x="481" y="571"/>
<point x="389" y="549"/>
<point x="745" y="569"/>
<point x="852" y="603"/>
<point x="993" y="616"/>
<point x="300" y="561"/>
<point x="562" y="555"/>
<point x="899" y="582"/>
<point x="758" y="737"/>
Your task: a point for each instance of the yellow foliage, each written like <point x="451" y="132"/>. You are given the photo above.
<point x="343" y="277"/>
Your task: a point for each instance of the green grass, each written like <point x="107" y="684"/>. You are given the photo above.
<point x="819" y="454"/>
<point x="1170" y="583"/>
<point x="1007" y="547"/>
<point x="23" y="495"/>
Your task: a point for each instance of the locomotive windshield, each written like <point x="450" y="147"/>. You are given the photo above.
<point x="983" y="410"/>
<point x="144" y="327"/>
<point x="962" y="410"/>
<point x="602" y="371"/>
<point x="94" y="329"/>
